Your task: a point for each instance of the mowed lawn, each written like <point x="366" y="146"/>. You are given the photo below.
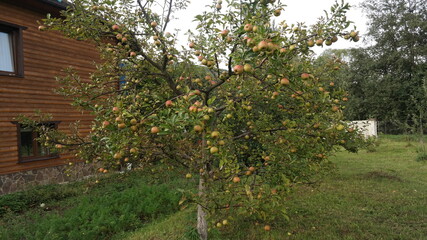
<point x="370" y="195"/>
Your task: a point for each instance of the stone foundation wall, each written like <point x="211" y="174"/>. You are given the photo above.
<point x="19" y="181"/>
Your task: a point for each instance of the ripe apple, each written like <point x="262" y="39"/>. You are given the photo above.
<point x="224" y="33"/>
<point x="319" y="42"/>
<point x="267" y="228"/>
<point x="340" y="127"/>
<point x="262" y="45"/>
<point x="116" y="109"/>
<point x="229" y="116"/>
<point x="192" y="109"/>
<point x="353" y="34"/>
<point x="224" y="222"/>
<point x="169" y="103"/>
<point x="328" y="42"/>
<point x="155" y="130"/>
<point x="215" y="134"/>
<point x="335" y="108"/>
<point x="198" y="128"/>
<point x="188" y="175"/>
<point x="334" y="39"/>
<point x="117" y="155"/>
<point x="132" y="54"/>
<point x="191" y="45"/>
<point x="105" y="123"/>
<point x="248" y="27"/>
<point x="238" y="69"/>
<point x="247" y="67"/>
<point x="59" y="146"/>
<point x="133" y="150"/>
<point x="115" y="27"/>
<point x="305" y="76"/>
<point x="214" y="150"/>
<point x="310" y="43"/>
<point x="254" y="29"/>
<point x="133" y="121"/>
<point x="284" y="81"/>
<point x="42" y="28"/>
<point x="277" y="12"/>
<point x="252" y="169"/>
<point x="221" y="142"/>
<point x="119" y="36"/>
<point x="121" y="125"/>
<point x="153" y="24"/>
<point x="236" y="179"/>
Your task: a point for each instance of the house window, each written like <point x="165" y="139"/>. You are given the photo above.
<point x="11" y="54"/>
<point x="28" y="146"/>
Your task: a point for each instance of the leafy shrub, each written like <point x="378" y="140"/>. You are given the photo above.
<point x="21" y="201"/>
<point x="99" y="216"/>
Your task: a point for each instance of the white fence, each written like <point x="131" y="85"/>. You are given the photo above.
<point x="367" y="127"/>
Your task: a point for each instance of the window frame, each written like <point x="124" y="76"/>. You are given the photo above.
<point x="17" y="47"/>
<point x="22" y="159"/>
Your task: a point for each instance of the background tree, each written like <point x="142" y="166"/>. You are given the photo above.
<point x="386" y="79"/>
<point x="250" y="119"/>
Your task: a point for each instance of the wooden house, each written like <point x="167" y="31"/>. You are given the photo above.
<point x="29" y="61"/>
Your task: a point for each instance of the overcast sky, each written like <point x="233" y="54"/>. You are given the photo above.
<point x="296" y="11"/>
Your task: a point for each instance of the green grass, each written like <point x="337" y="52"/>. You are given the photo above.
<point x="371" y="195"/>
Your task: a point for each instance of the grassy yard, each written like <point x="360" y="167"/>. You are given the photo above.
<point x="371" y="195"/>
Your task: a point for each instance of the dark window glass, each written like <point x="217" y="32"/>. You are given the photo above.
<point x="29" y="148"/>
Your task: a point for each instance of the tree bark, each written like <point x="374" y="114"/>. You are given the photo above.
<point x="202" y="225"/>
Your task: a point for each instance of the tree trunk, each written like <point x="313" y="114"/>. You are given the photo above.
<point x="421" y="129"/>
<point x="202" y="225"/>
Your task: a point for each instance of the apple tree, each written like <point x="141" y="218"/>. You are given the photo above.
<point x="241" y="108"/>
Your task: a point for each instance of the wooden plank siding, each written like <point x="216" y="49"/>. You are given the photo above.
<point x="45" y="55"/>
